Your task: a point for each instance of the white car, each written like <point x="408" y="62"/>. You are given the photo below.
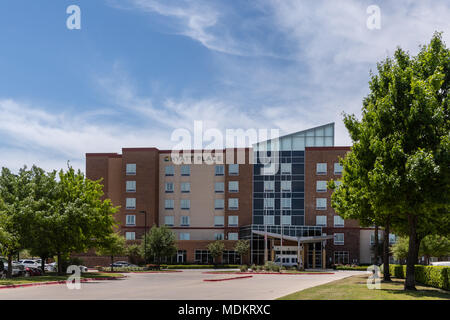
<point x="30" y="263"/>
<point x="441" y="263"/>
<point x="82" y="269"/>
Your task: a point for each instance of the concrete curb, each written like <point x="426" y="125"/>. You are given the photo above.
<point x="12" y="286"/>
<point x="225" y="279"/>
<point x="272" y="273"/>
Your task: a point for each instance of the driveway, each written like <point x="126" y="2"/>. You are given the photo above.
<point x="186" y="285"/>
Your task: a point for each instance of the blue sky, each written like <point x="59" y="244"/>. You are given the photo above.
<point x="139" y="69"/>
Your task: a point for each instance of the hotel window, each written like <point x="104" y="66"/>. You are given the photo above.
<point x="372" y="238"/>
<point x="219" y="170"/>
<point x="130" y="235"/>
<point x="341" y="257"/>
<point x="233" y="221"/>
<point x="184" y="236"/>
<point x="169" y="170"/>
<point x="321" y="186"/>
<point x="269" y="203"/>
<point x="321" y="168"/>
<point x="233" y="203"/>
<point x="233" y="236"/>
<point x="269" y="186"/>
<point x="392" y="238"/>
<point x="321" y="203"/>
<point x="219" y="187"/>
<point x="285" y="203"/>
<point x="219" y="203"/>
<point x="185" y="204"/>
<point x="169" y="221"/>
<point x="338" y="238"/>
<point x="219" y="221"/>
<point x="184" y="221"/>
<point x="168" y="204"/>
<point x="269" y="169"/>
<point x="185" y="170"/>
<point x="286" y="220"/>
<point x="321" y="221"/>
<point x="169" y="187"/>
<point x="233" y="169"/>
<point x="218" y="236"/>
<point x="131" y="186"/>
<point x="131" y="203"/>
<point x="131" y="169"/>
<point x="338" y="221"/>
<point x="337" y="168"/>
<point x="269" y="220"/>
<point x="131" y="220"/>
<point x="286" y="168"/>
<point x="286" y="186"/>
<point x="233" y="186"/>
<point x="185" y="187"/>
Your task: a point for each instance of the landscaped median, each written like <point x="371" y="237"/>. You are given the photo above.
<point x="355" y="288"/>
<point x="53" y="278"/>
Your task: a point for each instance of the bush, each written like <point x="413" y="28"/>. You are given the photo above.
<point x="434" y="276"/>
<point x="348" y="267"/>
<point x="271" y="266"/>
<point x="243" y="268"/>
<point x="259" y="268"/>
<point x="253" y="267"/>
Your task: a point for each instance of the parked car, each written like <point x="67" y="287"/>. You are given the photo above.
<point x="31" y="271"/>
<point x="441" y="263"/>
<point x="122" y="264"/>
<point x="30" y="263"/>
<point x="17" y="268"/>
<point x="51" y="267"/>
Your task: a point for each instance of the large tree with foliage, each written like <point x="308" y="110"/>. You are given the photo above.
<point x="431" y="246"/>
<point x="79" y="219"/>
<point x="401" y="147"/>
<point x="159" y="243"/>
<point x="15" y="190"/>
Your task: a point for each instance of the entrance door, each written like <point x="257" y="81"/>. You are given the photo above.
<point x="180" y="257"/>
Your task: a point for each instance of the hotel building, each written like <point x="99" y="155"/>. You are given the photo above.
<point x="284" y="208"/>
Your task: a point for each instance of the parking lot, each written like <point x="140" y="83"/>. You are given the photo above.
<point x="188" y="284"/>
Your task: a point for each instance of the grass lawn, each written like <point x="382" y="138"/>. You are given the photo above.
<point x="354" y="288"/>
<point x="50" y="276"/>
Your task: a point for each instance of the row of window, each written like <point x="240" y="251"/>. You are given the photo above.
<point x="219" y="170"/>
<point x="321" y="185"/>
<point x="219" y="204"/>
<point x="187" y="236"/>
<point x="321" y="168"/>
<point x="285" y="203"/>
<point x="285" y="186"/>
<point x="219" y="187"/>
<point x="322" y="221"/>
<point x="219" y="221"/>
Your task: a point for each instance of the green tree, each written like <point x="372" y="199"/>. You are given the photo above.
<point x="113" y="245"/>
<point x="14" y="197"/>
<point x="216" y="249"/>
<point x="434" y="246"/>
<point x="399" y="159"/>
<point x="134" y="254"/>
<point x="242" y="247"/>
<point x="79" y="219"/>
<point x="160" y="243"/>
<point x="400" y="249"/>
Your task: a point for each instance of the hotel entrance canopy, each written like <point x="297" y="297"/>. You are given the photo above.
<point x="311" y="239"/>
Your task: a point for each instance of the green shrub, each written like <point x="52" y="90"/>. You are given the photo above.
<point x="253" y="267"/>
<point x="354" y="268"/>
<point x="243" y="268"/>
<point x="434" y="276"/>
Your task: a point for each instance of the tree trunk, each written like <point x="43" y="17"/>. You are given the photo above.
<point x="386" y="273"/>
<point x="9" y="272"/>
<point x="43" y="264"/>
<point x="376" y="245"/>
<point x="59" y="264"/>
<point x="413" y="249"/>
<point x="112" y="261"/>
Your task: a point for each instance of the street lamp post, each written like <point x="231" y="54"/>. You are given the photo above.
<point x="145" y="234"/>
